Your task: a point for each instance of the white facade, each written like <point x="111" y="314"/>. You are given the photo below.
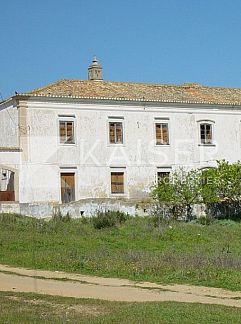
<point x="40" y="158"/>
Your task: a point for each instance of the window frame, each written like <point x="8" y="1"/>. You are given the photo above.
<point x="160" y="121"/>
<point x="210" y="123"/>
<point x="114" y="119"/>
<point x="73" y="170"/>
<point x="67" y="119"/>
<point x="118" y="170"/>
<point x="166" y="169"/>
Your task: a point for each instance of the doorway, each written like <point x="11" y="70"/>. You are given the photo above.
<point x="67" y="187"/>
<point x="7" y="191"/>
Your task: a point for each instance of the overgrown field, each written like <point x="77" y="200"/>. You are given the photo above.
<point x="138" y="249"/>
<point x="32" y="308"/>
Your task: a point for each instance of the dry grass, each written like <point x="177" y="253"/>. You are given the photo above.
<point x="171" y="253"/>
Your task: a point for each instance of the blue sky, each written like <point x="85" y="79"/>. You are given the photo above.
<point x="156" y="41"/>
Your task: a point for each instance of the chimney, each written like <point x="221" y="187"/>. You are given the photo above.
<point x="95" y="70"/>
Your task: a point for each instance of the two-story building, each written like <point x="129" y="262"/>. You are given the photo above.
<point x="76" y="139"/>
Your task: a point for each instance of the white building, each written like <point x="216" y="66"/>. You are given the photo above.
<point x="74" y="139"/>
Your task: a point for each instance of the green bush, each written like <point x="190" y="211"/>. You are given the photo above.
<point x="205" y="220"/>
<point x="109" y="219"/>
<point x="218" y="188"/>
<point x="59" y="217"/>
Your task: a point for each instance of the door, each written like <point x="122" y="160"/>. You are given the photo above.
<point x="67" y="187"/>
<point x="7" y="192"/>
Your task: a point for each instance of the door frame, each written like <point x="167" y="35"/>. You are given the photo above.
<point x="15" y="183"/>
<point x="72" y="170"/>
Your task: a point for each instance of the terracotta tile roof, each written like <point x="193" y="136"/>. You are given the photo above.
<point x="186" y="93"/>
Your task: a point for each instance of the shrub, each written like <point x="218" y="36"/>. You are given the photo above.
<point x="109" y="219"/>
<point x="177" y="195"/>
<point x="58" y="216"/>
<point x="205" y="220"/>
<point x="219" y="188"/>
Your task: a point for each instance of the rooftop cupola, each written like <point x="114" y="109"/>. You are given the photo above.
<point x="95" y="70"/>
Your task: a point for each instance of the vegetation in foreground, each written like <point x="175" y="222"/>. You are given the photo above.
<point x="135" y="248"/>
<point x="33" y="308"/>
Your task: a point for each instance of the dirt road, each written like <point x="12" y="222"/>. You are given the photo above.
<point x="81" y="286"/>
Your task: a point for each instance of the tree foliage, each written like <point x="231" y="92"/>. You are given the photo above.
<point x="222" y="183"/>
<point x="181" y="191"/>
<point x="213" y="187"/>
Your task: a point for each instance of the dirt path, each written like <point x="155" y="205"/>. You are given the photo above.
<point x="81" y="286"/>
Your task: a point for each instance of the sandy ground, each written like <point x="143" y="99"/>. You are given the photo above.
<point x="81" y="286"/>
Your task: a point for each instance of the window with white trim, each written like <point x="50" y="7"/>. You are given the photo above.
<point x="116" y="132"/>
<point x="206" y="133"/>
<point x="66" y="132"/>
<point x="162" y="133"/>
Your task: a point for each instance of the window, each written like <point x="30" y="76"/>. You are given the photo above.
<point x="66" y="132"/>
<point x="117" y="182"/>
<point x="163" y="175"/>
<point x="162" y="134"/>
<point x="204" y="175"/>
<point x="116" y="132"/>
<point x="206" y="135"/>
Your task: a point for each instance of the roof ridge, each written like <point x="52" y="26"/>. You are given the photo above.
<point x="183" y="85"/>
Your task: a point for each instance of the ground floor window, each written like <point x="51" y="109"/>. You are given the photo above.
<point x="7" y="192"/>
<point x="163" y="175"/>
<point x="117" y="182"/>
<point x="67" y="187"/>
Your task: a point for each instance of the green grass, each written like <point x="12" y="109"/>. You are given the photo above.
<point x="33" y="308"/>
<point x="172" y="253"/>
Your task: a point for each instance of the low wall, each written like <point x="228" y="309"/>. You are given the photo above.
<point x="85" y="207"/>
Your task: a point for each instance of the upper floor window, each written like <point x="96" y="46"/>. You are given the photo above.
<point x="66" y="132"/>
<point x="116" y="132"/>
<point x="162" y="133"/>
<point x="206" y="133"/>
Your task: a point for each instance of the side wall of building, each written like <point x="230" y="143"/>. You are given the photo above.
<point x="9" y="126"/>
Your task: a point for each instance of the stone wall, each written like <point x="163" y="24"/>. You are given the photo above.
<point x="85" y="207"/>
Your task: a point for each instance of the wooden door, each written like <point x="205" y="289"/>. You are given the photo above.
<point x="67" y="187"/>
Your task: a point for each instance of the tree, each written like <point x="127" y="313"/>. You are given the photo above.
<point x="219" y="188"/>
<point x="181" y="191"/>
<point x="222" y="188"/>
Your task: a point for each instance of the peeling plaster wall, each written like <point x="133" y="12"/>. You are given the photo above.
<point x="92" y="157"/>
<point x="86" y="207"/>
<point x="8" y="126"/>
<point x="12" y="161"/>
